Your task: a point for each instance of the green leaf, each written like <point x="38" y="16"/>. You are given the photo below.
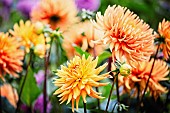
<point x="81" y="52"/>
<point x="30" y="89"/>
<point x="104" y="56"/>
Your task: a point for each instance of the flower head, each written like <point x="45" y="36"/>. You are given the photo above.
<point x="56" y="13"/>
<point x="164" y="31"/>
<point x="11" y="56"/>
<point x="25" y="6"/>
<point x="78" y="79"/>
<point x="129" y="37"/>
<point x="9" y="93"/>
<point x="25" y="32"/>
<point x="81" y="35"/>
<point x="140" y="75"/>
<point x="92" y="5"/>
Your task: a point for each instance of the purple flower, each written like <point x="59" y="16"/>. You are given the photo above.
<point x="7" y="3"/>
<point x="91" y="5"/>
<point x="38" y="106"/>
<point x="39" y="77"/>
<point x="5" y="9"/>
<point x="25" y="6"/>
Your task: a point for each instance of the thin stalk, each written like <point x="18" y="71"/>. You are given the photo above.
<point x="46" y="59"/>
<point x="117" y="92"/>
<point x="0" y="101"/>
<point x="147" y="83"/>
<point x="85" y="111"/>
<point x="108" y="101"/>
<point x="23" y="83"/>
<point x="98" y="101"/>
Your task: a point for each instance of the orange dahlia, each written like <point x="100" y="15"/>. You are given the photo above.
<point x="129" y="37"/>
<point x="78" y="79"/>
<point x="9" y="93"/>
<point x="29" y="38"/>
<point x="56" y="13"/>
<point x="81" y="35"/>
<point x="140" y="75"/>
<point x="11" y="56"/>
<point x="164" y="31"/>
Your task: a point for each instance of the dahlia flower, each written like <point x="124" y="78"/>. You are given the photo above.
<point x="11" y="56"/>
<point x="130" y="39"/>
<point x="140" y="75"/>
<point x="9" y="93"/>
<point x="81" y="35"/>
<point x="56" y="13"/>
<point x="164" y="31"/>
<point x="78" y="79"/>
<point x="29" y="38"/>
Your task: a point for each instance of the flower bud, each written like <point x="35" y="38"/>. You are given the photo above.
<point x="125" y="69"/>
<point x="38" y="27"/>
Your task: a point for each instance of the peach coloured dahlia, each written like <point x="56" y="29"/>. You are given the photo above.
<point x="56" y="13"/>
<point x="130" y="39"/>
<point x="26" y="33"/>
<point x="164" y="31"/>
<point x="11" y="56"/>
<point x="81" y="35"/>
<point x="140" y="75"/>
<point x="78" y="79"/>
<point x="9" y="93"/>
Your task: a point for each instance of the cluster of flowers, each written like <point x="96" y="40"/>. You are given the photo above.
<point x="129" y="38"/>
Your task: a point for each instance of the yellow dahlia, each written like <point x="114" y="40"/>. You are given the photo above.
<point x="25" y="32"/>
<point x="81" y="35"/>
<point x="78" y="79"/>
<point x="140" y="75"/>
<point x="11" y="56"/>
<point x="56" y="13"/>
<point x="9" y="93"/>
<point x="129" y="37"/>
<point x="164" y="31"/>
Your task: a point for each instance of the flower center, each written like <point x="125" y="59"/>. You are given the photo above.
<point x="54" y="18"/>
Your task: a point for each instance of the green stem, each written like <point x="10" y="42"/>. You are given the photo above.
<point x="147" y="83"/>
<point x="46" y="59"/>
<point x="85" y="111"/>
<point x="107" y="105"/>
<point x="117" y="92"/>
<point x="23" y="83"/>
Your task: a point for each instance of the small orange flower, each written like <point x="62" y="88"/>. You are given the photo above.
<point x="29" y="38"/>
<point x="56" y="13"/>
<point x="9" y="93"/>
<point x="81" y="35"/>
<point x="11" y="56"/>
<point x="164" y="31"/>
<point x="129" y="37"/>
<point x="140" y="75"/>
<point x="78" y="79"/>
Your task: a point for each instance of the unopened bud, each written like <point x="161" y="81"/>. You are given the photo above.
<point x="38" y="27"/>
<point x="125" y="69"/>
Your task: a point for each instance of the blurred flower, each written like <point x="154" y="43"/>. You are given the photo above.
<point x="39" y="77"/>
<point x="9" y="93"/>
<point x="78" y="79"/>
<point x="5" y="7"/>
<point x="38" y="106"/>
<point x="29" y="38"/>
<point x="57" y="13"/>
<point x="92" y="5"/>
<point x="140" y="75"/>
<point x="81" y="35"/>
<point x="164" y="31"/>
<point x="129" y="37"/>
<point x="25" y="6"/>
<point x="11" y="56"/>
